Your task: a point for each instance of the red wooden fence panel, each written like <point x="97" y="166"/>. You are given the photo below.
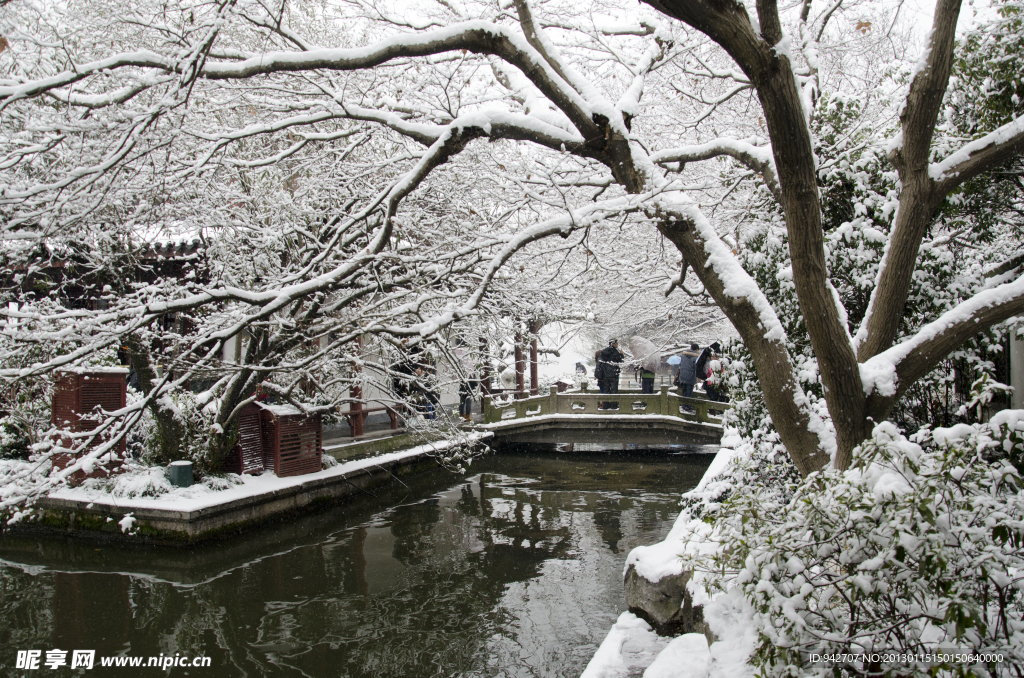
<point x="247" y="457"/>
<point x="77" y="395"/>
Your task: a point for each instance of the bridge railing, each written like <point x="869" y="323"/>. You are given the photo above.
<point x="665" y="403"/>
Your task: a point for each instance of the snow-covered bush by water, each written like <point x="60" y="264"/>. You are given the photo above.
<point x="916" y="547"/>
<point x="141" y="482"/>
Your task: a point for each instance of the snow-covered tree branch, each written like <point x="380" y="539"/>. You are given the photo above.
<point x="350" y="173"/>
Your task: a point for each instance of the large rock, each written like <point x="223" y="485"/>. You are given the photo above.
<point x="665" y="605"/>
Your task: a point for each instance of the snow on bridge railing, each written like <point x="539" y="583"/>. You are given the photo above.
<point x="497" y="409"/>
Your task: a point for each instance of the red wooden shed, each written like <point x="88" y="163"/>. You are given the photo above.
<point x="77" y="395"/>
<point x="78" y="398"/>
<point x="291" y="440"/>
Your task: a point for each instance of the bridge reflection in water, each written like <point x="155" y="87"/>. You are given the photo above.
<point x="651" y="419"/>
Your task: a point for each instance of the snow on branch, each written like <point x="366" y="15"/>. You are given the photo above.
<point x="477" y="36"/>
<point x="738" y="286"/>
<point x="980" y="155"/>
<point x="756" y="157"/>
<point x="891" y="372"/>
<point x="596" y="100"/>
<point x="563" y="226"/>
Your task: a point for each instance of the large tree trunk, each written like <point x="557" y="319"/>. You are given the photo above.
<point x="170" y="433"/>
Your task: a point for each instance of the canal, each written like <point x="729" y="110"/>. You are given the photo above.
<point x="513" y="569"/>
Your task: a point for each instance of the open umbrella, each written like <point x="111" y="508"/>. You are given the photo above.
<point x="646" y="352"/>
<point x="674" y="360"/>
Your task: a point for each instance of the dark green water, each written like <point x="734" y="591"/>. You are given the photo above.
<point x="511" y="570"/>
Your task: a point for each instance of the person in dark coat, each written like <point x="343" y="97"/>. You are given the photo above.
<point x="607" y="370"/>
<point x="424" y="394"/>
<point x="688" y="371"/>
<point x="701" y="369"/>
<point x="466" y="391"/>
<point x="646" y="380"/>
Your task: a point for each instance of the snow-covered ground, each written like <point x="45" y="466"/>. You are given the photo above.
<point x="148" y="487"/>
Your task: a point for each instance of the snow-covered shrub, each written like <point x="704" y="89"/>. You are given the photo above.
<point x="916" y="547"/>
<point x="138" y="483"/>
<point x="147" y="482"/>
<point x="14" y="439"/>
<point x="759" y="461"/>
<point x="190" y="437"/>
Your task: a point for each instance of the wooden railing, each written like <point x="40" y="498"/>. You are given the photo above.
<point x="631" y="402"/>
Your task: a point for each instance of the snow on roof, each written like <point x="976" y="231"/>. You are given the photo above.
<point x="94" y="369"/>
<point x="282" y="410"/>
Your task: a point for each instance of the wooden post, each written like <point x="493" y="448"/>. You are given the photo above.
<point x="520" y="386"/>
<point x="355" y="411"/>
<point x="355" y="406"/>
<point x="534" y="378"/>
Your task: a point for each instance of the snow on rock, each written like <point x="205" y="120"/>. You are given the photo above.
<point x="729" y="616"/>
<point x="126" y="523"/>
<point x="735" y="625"/>
<point x="630" y="643"/>
<point x="687" y="656"/>
<point x="661" y="560"/>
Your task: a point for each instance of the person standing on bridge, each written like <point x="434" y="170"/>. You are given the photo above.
<point x="467" y="389"/>
<point x="688" y="371"/>
<point x="607" y="370"/>
<point x="701" y="368"/>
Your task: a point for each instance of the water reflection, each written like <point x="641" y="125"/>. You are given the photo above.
<point x="511" y="571"/>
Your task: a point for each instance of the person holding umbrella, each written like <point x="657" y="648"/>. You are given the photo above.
<point x="646" y="352"/>
<point x="687" y="376"/>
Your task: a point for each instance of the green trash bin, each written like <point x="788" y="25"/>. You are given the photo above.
<point x="180" y="473"/>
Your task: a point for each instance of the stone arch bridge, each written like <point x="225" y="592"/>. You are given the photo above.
<point x="663" y="418"/>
